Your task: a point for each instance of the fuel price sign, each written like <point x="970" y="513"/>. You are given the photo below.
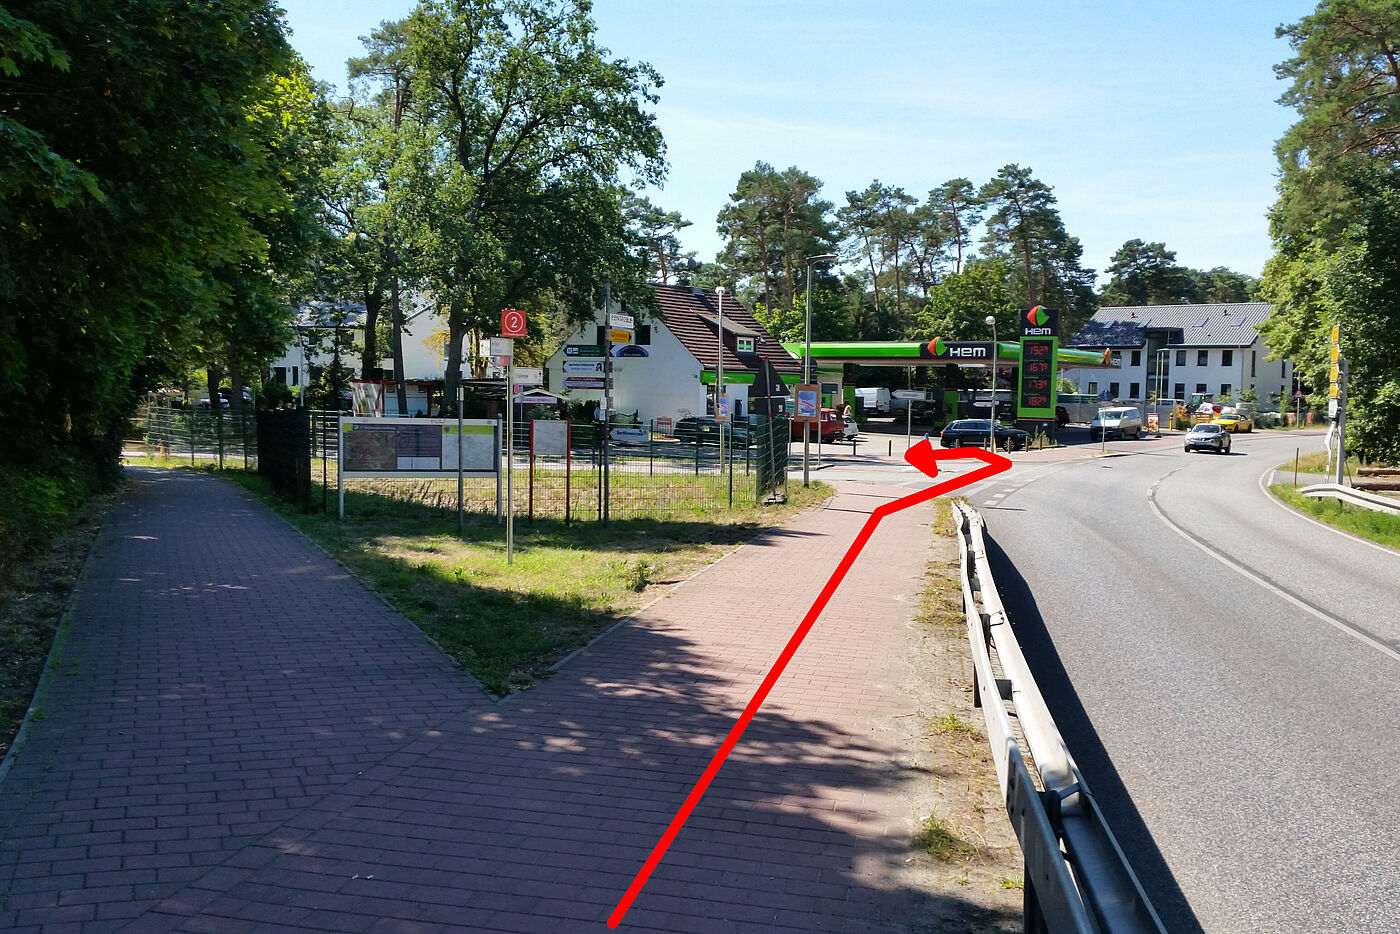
<point x="1037" y="396"/>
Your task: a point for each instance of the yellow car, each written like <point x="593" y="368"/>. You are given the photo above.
<point x="1233" y="423"/>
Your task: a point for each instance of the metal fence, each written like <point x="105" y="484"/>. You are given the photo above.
<point x="214" y="435"/>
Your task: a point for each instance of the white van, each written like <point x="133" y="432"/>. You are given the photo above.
<point x="1122" y="422"/>
<point x="875" y="400"/>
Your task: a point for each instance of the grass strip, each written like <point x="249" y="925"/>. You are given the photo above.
<point x="1379" y="527"/>
<point x="507" y="624"/>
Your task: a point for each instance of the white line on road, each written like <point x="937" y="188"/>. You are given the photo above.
<point x="1264" y="487"/>
<point x="1342" y="625"/>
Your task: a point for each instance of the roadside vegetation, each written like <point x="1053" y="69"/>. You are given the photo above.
<point x="1379" y="527"/>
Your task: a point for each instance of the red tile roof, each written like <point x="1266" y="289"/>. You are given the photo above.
<point x="691" y="314"/>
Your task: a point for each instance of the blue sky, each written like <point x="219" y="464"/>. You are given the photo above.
<point x="1154" y="121"/>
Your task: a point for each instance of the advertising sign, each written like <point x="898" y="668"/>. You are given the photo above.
<point x="806" y="403"/>
<point x="583" y="366"/>
<point x="722" y="409"/>
<point x="1040" y="322"/>
<point x="957" y="351"/>
<point x="629" y="435"/>
<point x="584" y="382"/>
<point x="1037" y="383"/>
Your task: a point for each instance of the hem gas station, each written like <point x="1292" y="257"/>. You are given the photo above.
<point x="1036" y="355"/>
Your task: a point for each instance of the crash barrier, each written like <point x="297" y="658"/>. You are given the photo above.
<point x="1076" y="877"/>
<point x="1355" y="497"/>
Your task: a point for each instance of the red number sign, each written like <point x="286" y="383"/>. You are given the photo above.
<point x="512" y="323"/>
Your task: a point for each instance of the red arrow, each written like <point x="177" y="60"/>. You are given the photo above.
<point x="925" y="458"/>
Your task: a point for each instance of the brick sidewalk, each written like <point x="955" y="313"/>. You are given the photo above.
<point x="241" y="738"/>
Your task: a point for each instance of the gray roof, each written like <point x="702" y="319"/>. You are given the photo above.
<point x="1212" y="325"/>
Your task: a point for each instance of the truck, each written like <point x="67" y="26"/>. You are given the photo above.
<point x="875" y="400"/>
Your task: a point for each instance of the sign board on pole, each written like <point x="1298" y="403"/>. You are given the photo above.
<point x="1040" y="345"/>
<point x="722" y="409"/>
<point x="549" y="436"/>
<point x="917" y="395"/>
<point x="806" y="403"/>
<point x="584" y="382"/>
<point x="502" y="347"/>
<point x="583" y="366"/>
<point x="622" y="321"/>
<point x="583" y="350"/>
<point x="620" y="337"/>
<point x="629" y="435"/>
<point x="416" y="447"/>
<point x="512" y="323"/>
<point x="529" y="376"/>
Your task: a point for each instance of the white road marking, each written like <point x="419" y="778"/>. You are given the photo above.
<point x="1232" y="564"/>
<point x="1264" y="487"/>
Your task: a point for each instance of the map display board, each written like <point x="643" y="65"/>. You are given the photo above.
<point x="416" y="447"/>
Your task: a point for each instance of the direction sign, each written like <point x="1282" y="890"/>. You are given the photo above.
<point x="584" y="382"/>
<point x="583" y="350"/>
<point x="512" y="323"/>
<point x="620" y="337"/>
<point x="919" y="395"/>
<point x="621" y="321"/>
<point x="529" y="376"/>
<point x="583" y="366"/>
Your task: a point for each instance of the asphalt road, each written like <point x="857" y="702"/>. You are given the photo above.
<point x="1226" y="673"/>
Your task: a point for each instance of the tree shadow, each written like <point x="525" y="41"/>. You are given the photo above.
<point x="1078" y="731"/>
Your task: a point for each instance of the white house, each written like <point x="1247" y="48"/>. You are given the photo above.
<point x="1177" y="351"/>
<point x="669" y="369"/>
<point x="316" y="325"/>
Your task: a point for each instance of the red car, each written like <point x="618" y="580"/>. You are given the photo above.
<point x="833" y="427"/>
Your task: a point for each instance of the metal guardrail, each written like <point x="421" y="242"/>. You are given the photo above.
<point x="1348" y="495"/>
<point x="1076" y="877"/>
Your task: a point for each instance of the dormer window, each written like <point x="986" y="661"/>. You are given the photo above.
<point x="743" y="344"/>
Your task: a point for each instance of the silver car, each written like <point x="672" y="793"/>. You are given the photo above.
<point x="1208" y="437"/>
<point x="1122" y="422"/>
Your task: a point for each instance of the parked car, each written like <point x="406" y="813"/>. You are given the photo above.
<point x="1208" y="437"/>
<point x="1233" y="423"/>
<point x="972" y="432"/>
<point x="1122" y="422"/>
<point x="851" y="429"/>
<point x="832" y="427"/>
<point x="707" y="431"/>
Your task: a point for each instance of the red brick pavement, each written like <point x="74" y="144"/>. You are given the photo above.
<point x="239" y="737"/>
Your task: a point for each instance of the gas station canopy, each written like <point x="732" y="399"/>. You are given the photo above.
<point x="934" y="353"/>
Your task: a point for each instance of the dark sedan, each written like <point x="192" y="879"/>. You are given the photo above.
<point x="707" y="431"/>
<point x="972" y="433"/>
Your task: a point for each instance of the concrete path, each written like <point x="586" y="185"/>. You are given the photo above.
<point x="239" y="737"/>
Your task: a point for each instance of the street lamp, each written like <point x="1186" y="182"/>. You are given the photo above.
<point x="807" y="368"/>
<point x="992" y="422"/>
<point x="1161" y="386"/>
<point x="719" y="371"/>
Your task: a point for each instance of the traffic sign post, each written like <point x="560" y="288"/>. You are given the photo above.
<point x="512" y="323"/>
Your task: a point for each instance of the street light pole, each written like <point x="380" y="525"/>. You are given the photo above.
<point x="807" y="369"/>
<point x="992" y="422"/>
<point x="719" y="372"/>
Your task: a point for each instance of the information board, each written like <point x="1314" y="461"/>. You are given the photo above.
<point x="416" y="447"/>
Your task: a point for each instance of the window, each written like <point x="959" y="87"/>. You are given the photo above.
<point x="1137" y="358"/>
<point x="1227" y="357"/>
<point x="279" y="375"/>
<point x="1200" y="389"/>
<point x="643" y="334"/>
<point x="743" y="344"/>
<point x="1113" y="390"/>
<point x="1180" y="359"/>
<point x="1179" y="391"/>
<point x="1202" y="357"/>
<point x="296" y="376"/>
<point x="1092" y="388"/>
<point x="1133" y="390"/>
<point x="1224" y="390"/>
<point x="1253" y="362"/>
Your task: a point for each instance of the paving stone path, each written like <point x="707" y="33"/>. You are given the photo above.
<point x="239" y="737"/>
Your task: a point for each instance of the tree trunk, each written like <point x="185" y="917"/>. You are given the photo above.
<point x="215" y="375"/>
<point x="235" y="375"/>
<point x="396" y="336"/>
<point x="452" y="377"/>
<point x="374" y="301"/>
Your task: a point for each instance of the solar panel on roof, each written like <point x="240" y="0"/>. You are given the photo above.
<point x="1201" y="323"/>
